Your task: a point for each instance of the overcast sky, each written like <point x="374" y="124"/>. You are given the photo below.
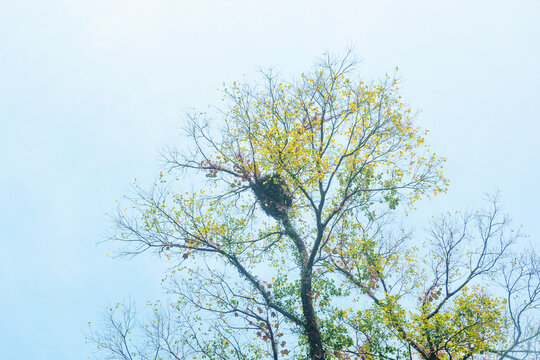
<point x="91" y="90"/>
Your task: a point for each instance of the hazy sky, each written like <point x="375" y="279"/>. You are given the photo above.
<point x="91" y="90"/>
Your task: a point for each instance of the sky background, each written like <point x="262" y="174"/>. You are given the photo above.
<point x="90" y="91"/>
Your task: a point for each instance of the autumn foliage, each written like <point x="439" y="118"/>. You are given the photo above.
<point x="291" y="248"/>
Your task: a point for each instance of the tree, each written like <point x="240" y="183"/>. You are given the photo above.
<point x="292" y="249"/>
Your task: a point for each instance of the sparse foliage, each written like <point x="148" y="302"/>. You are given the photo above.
<point x="291" y="249"/>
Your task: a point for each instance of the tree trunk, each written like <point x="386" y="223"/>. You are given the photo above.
<point x="311" y="327"/>
<point x="313" y="334"/>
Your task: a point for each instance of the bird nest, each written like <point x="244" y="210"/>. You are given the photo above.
<point x="273" y="195"/>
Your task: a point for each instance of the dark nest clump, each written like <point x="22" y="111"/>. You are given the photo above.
<point x="273" y="194"/>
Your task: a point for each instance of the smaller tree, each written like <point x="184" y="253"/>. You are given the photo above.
<point x="291" y="250"/>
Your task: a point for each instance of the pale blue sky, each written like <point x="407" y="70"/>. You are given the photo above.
<point x="91" y="90"/>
